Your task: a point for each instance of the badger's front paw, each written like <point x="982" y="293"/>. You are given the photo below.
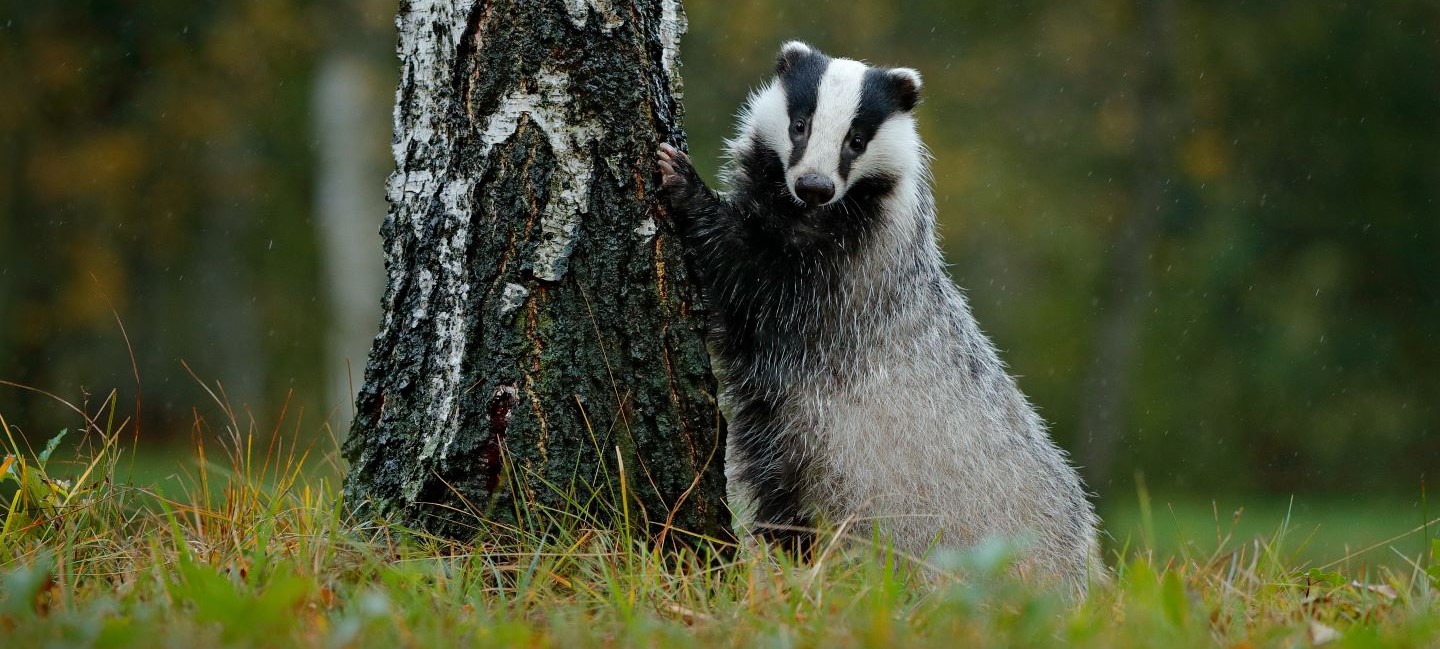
<point x="677" y="175"/>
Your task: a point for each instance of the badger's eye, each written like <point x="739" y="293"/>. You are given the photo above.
<point x="797" y="127"/>
<point x="857" y="142"/>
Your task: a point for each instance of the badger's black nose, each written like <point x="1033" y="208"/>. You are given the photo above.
<point x="814" y="189"/>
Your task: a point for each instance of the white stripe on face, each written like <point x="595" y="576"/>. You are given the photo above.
<point x="767" y="119"/>
<point x="836" y="103"/>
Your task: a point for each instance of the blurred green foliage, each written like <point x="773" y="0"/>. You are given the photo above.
<point x="157" y="166"/>
<point x="158" y="157"/>
<point x="1290" y="336"/>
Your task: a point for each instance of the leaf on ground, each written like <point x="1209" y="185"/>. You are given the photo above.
<point x="50" y="447"/>
<point x="1385" y="590"/>
<point x="1321" y="634"/>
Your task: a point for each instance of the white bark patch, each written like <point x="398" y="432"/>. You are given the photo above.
<point x="451" y="340"/>
<point x="571" y="142"/>
<point x="579" y="11"/>
<point x="429" y="33"/>
<point x="512" y="296"/>
<point x="672" y="25"/>
<point x="646" y="230"/>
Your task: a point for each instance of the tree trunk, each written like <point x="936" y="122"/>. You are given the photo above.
<point x="540" y="341"/>
<point x="347" y="206"/>
<point x="10" y="263"/>
<point x="1127" y="267"/>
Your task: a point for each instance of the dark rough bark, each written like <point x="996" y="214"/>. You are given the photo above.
<point x="1127" y="267"/>
<point x="538" y="321"/>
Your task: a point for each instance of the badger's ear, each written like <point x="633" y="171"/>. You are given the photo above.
<point x="790" y="53"/>
<point x="906" y="83"/>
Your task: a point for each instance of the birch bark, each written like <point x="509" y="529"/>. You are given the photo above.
<point x="540" y="337"/>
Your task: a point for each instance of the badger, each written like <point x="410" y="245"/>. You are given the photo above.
<point x="857" y="386"/>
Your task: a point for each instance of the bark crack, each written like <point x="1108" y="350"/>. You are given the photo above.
<point x="502" y="403"/>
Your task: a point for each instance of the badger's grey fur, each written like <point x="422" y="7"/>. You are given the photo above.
<point x="856" y="382"/>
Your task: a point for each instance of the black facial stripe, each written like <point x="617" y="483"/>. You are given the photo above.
<point x="847" y="158"/>
<point x="797" y="147"/>
<point x="802" y="89"/>
<point x="877" y="100"/>
<point x="877" y="103"/>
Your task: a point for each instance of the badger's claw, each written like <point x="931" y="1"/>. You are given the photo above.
<point x="677" y="176"/>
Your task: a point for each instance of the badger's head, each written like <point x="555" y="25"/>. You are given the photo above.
<point x="832" y="123"/>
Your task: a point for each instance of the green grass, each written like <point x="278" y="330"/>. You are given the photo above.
<point x="247" y="544"/>
<point x="1359" y="533"/>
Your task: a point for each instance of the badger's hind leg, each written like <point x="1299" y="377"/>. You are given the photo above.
<point x="771" y="475"/>
<point x="781" y="518"/>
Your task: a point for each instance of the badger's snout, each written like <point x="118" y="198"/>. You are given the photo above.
<point x="814" y="189"/>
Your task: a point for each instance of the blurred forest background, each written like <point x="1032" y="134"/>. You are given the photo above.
<point x="1205" y="235"/>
